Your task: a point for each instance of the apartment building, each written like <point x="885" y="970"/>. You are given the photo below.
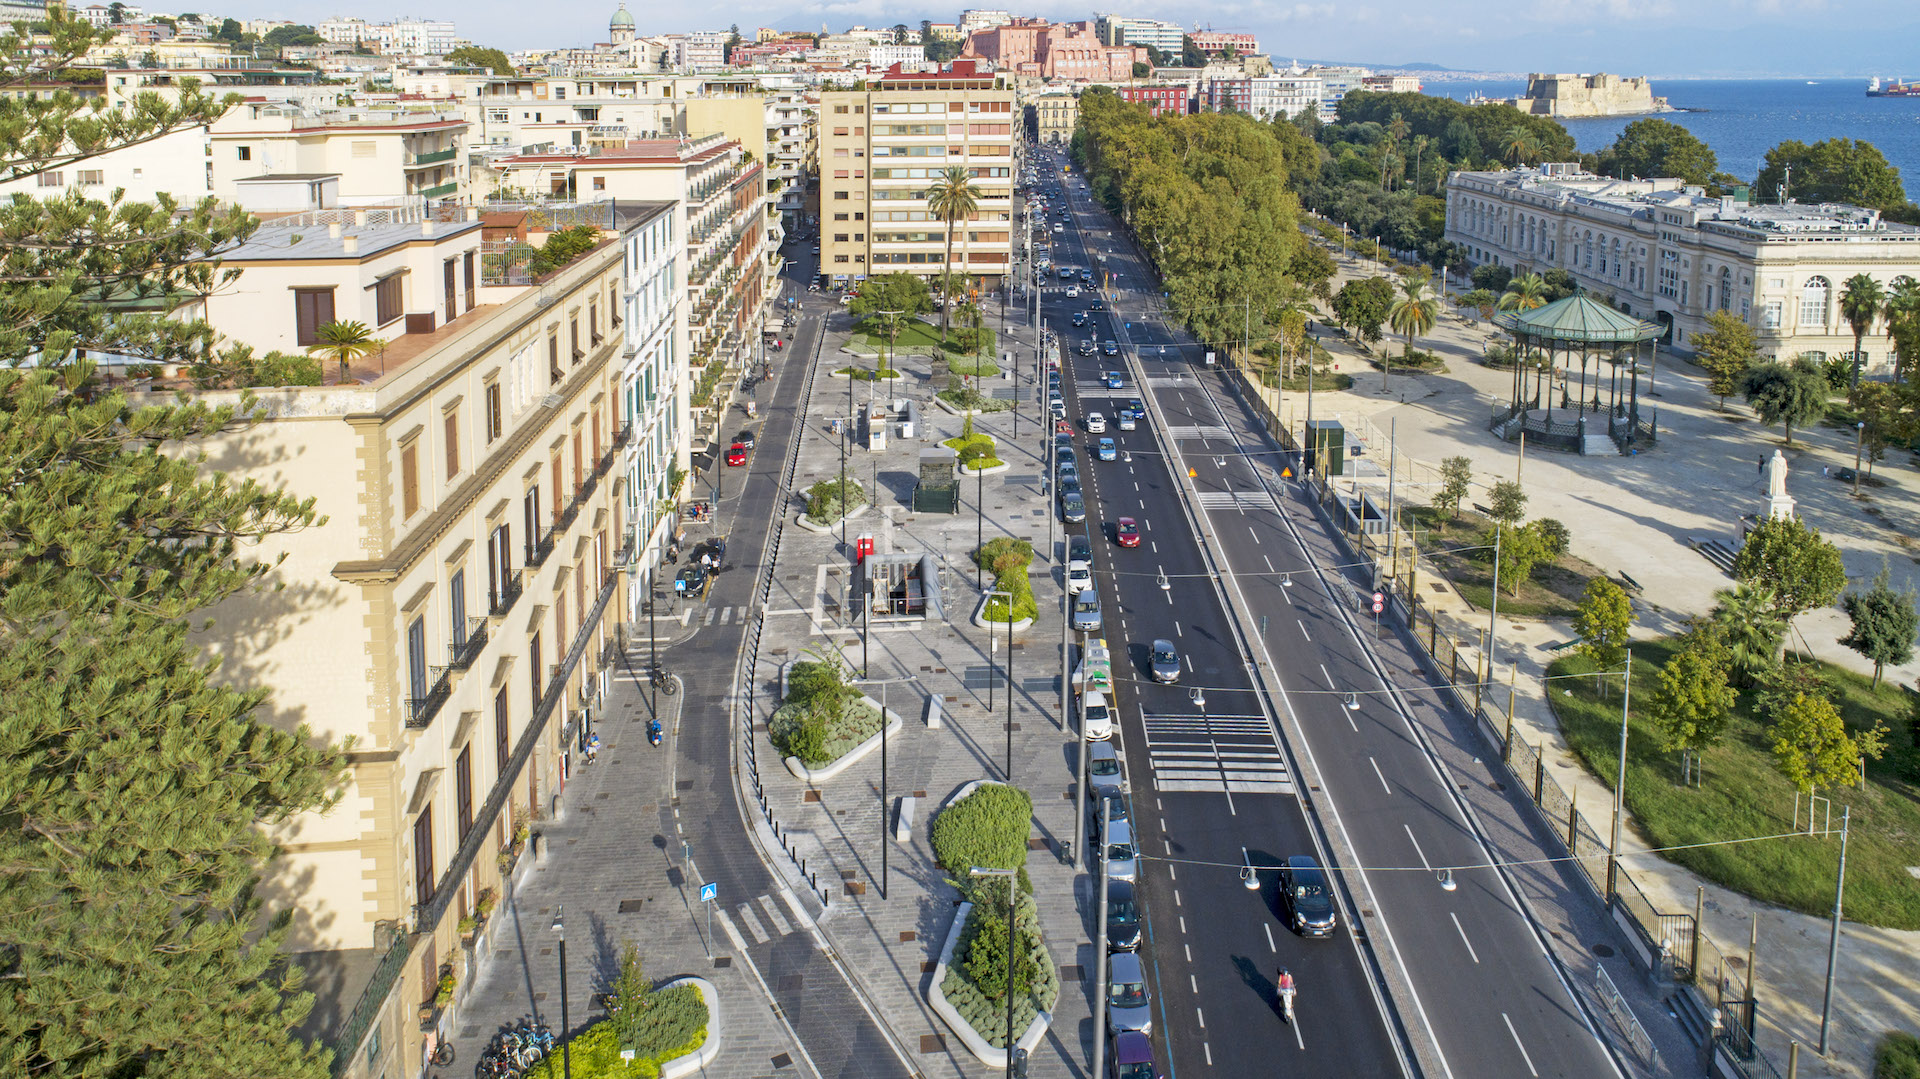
<point x="1052" y="115"/>
<point x="1217" y="42"/>
<point x="453" y="615"/>
<point x="702" y="50"/>
<point x="881" y="147"/>
<point x="1665" y="252"/>
<point x="1271" y="96"/>
<point x="1160" y="99"/>
<point x="175" y="163"/>
<point x="1120" y="30"/>
<point x="654" y="390"/>
<point x="974" y="19"/>
<point x="379" y="155"/>
<point x="1036" y="48"/>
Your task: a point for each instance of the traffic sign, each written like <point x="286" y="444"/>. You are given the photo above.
<point x="1379" y="603"/>
<point x="709" y="892"/>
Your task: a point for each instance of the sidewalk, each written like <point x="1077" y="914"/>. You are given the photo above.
<point x="1636" y="515"/>
<point x="891" y="944"/>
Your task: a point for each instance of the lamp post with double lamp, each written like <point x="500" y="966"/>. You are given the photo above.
<point x="883" y="683"/>
<point x="1013" y="946"/>
<point x="990" y="594"/>
<point x="566" y="1051"/>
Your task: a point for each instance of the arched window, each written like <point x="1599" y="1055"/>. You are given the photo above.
<point x="1586" y="243"/>
<point x="1726" y="286"/>
<point x="1813" y="301"/>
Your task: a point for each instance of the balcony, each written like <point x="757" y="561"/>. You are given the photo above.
<point x="502" y="600"/>
<point x="432" y="157"/>
<point x="439" y="192"/>
<point x="537" y="552"/>
<point x="421" y="710"/>
<point x="572" y="512"/>
<point x="624" y="435"/>
<point x="466" y="651"/>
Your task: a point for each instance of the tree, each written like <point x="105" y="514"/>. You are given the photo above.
<point x="1520" y="146"/>
<point x="117" y="12"/>
<point x="1520" y="549"/>
<point x="1313" y="268"/>
<point x="229" y="32"/>
<point x="1653" y="147"/>
<point x="1903" y="327"/>
<point x="1481" y="300"/>
<point x="629" y="999"/>
<point x="951" y="199"/>
<point x="344" y="342"/>
<point x="1787" y="393"/>
<point x="901" y="35"/>
<point x="1361" y="305"/>
<point x="1456" y="479"/>
<point x="1748" y="622"/>
<point x="1603" y="620"/>
<point x="1811" y="746"/>
<point x="1883" y="624"/>
<point x="1158" y="57"/>
<point x="138" y="788"/>
<point x="1190" y="53"/>
<point x="1413" y="314"/>
<point x="1692" y="698"/>
<point x="901" y="292"/>
<point x="492" y="60"/>
<point x="1831" y="170"/>
<point x="1790" y="558"/>
<point x="1726" y="351"/>
<point x="281" y="37"/>
<point x="1507" y="502"/>
<point x="1524" y="293"/>
<point x="1861" y="299"/>
<point x="1141" y="69"/>
<point x="1492" y="277"/>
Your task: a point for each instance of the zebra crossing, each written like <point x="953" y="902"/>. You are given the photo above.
<point x="762" y="919"/>
<point x="1249" y="499"/>
<point x="1234" y="753"/>
<point x="1209" y="431"/>
<point x="711" y="615"/>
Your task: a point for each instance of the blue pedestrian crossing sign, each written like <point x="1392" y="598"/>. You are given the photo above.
<point x="709" y="892"/>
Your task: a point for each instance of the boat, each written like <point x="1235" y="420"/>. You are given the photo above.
<point x="1892" y="88"/>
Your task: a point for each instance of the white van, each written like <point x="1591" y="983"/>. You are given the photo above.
<point x="1096" y="719"/>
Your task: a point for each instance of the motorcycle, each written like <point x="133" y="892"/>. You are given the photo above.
<point x="653" y="732"/>
<point x="1285" y="989"/>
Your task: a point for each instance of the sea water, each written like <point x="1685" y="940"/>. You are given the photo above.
<point x="1741" y="119"/>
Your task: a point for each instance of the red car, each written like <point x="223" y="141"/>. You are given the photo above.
<point x="736" y="454"/>
<point x="1127" y="531"/>
<point x="1062" y="427"/>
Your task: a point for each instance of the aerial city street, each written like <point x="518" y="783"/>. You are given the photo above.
<point x="1095" y="547"/>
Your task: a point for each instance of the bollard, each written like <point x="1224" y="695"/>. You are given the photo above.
<point x="1539" y="776"/>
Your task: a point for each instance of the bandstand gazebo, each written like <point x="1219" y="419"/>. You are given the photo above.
<point x="1551" y="339"/>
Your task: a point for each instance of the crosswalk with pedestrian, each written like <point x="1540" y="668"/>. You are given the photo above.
<point x="1234" y="753"/>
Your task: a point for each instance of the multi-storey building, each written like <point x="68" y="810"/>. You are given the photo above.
<point x="975" y="19"/>
<point x="945" y="31"/>
<point x="1235" y="94"/>
<point x="653" y="391"/>
<point x="1665" y="252"/>
<point x="379" y="156"/>
<point x="1216" y="42"/>
<point x="1271" y="96"/>
<point x="1036" y="48"/>
<point x="1055" y="112"/>
<point x="1120" y="30"/>
<point x="452" y="617"/>
<point x="702" y="50"/>
<point x="416" y="37"/>
<point x="344" y="30"/>
<point x="174" y="164"/>
<point x="880" y="149"/>
<point x="885" y="56"/>
<point x="1160" y="99"/>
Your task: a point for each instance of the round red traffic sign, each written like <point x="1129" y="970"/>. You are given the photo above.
<point x="1379" y="603"/>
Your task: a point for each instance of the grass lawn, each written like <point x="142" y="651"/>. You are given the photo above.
<point x="964" y="398"/>
<point x="1323" y="381"/>
<point x="959" y="445"/>
<point x="917" y="336"/>
<point x="1744" y="795"/>
<point x="868" y="374"/>
<point x="1553" y="591"/>
<point x="977" y="366"/>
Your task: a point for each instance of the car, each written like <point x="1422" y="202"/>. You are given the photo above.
<point x="1073" y="508"/>
<point x="1086" y="275"/>
<point x="1070" y="486"/>
<point x="1106" y="450"/>
<point x="744" y="439"/>
<point x="736" y="454"/>
<point x="1062" y="427"/>
<point x="1097" y="305"/>
<point x="692" y="579"/>
<point x="1086" y="347"/>
<point x="1123" y="917"/>
<point x="1163" y="661"/>
<point x="1096" y="722"/>
<point x="1079" y="548"/>
<point x="1128" y="1008"/>
<point x="1066" y="456"/>
<point x="1079" y="318"/>
<point x="1066" y="272"/>
<point x="1110" y="348"/>
<point x="1115" y="381"/>
<point x="1058" y="408"/>
<point x="1126" y="532"/>
<point x="1114" y="805"/>
<point x="1079" y="576"/>
<point x="1068" y="475"/>
<point x="1086" y="611"/>
<point x="1096" y="423"/>
<point x="1062" y="442"/>
<point x="1072" y="291"/>
<point x="1130" y="1056"/>
<point x="816" y="249"/>
<point x="1122" y="858"/>
<point x="1134" y="406"/>
<point x="1308" y="899"/>
<point x="1059" y="228"/>
<point x="1127" y="421"/>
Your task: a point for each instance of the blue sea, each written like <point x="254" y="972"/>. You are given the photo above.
<point x="1741" y="119"/>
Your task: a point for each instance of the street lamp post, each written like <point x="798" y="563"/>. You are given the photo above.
<point x="653" y="649"/>
<point x="883" y="683"/>
<point x="1620" y="781"/>
<point x="1859" y="443"/>
<point x="992" y="592"/>
<point x="566" y="1050"/>
<point x="1100" y="954"/>
<point x="1013" y="947"/>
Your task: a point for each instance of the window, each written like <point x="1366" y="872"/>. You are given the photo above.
<point x="1770" y="315"/>
<point x="593" y="321"/>
<point x="312" y="309"/>
<point x="463" y="791"/>
<point x="558" y="487"/>
<point x="243" y="153"/>
<point x="554" y="373"/>
<point x="499" y="567"/>
<point x="451" y="423"/>
<point x="386" y="297"/>
<point x="839" y="194"/>
<point x="409" y="481"/>
<point x="365" y="148"/>
<point x="502" y="734"/>
<point x="573" y="333"/>
<point x="423" y="857"/>
<point x="530" y="514"/>
<point x="535" y="675"/>
<point x="467" y="266"/>
<point x="93" y="176"/>
<point x="53" y="179"/>
<point x="457" y="607"/>
<point x="417" y="659"/>
<point x="494" y="419"/>
<point x="1813" y="301"/>
<point x="599" y="183"/>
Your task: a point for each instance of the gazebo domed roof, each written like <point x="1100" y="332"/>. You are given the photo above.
<point x="621" y="18"/>
<point x="1578" y="319"/>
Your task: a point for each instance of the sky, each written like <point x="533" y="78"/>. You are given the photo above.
<point x="1661" y="38"/>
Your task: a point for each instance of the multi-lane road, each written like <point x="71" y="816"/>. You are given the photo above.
<point x="1250" y="603"/>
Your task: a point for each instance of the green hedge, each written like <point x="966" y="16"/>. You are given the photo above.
<point x="824" y="499"/>
<point x="822" y="717"/>
<point x="674" y="1024"/>
<point x="1007" y="559"/>
<point x="1898" y="1056"/>
<point x="987" y="828"/>
<point x="976" y="980"/>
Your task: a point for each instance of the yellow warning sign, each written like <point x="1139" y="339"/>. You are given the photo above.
<point x="1286" y="473"/>
<point x="1191" y="473"/>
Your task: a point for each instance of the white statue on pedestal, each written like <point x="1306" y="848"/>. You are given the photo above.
<point x="1779" y="502"/>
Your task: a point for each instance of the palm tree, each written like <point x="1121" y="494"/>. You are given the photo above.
<point x="1860" y="303"/>
<point x="1413" y="314"/>
<point x="951" y="199"/>
<point x="1752" y="629"/>
<point x="343" y="341"/>
<point x="1420" y="144"/>
<point x="1903" y="325"/>
<point x="1524" y="293"/>
<point x="1520" y="145"/>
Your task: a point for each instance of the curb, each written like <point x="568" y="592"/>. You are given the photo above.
<point x="709" y="1050"/>
<point x="803" y="522"/>
<point x="980" y="619"/>
<point x="991" y="1056"/>
<point x="830" y="770"/>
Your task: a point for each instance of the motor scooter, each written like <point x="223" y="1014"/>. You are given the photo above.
<point x="653" y="732"/>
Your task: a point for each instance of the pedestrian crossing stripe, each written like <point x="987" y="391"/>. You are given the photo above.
<point x="1238" y="499"/>
<point x="1235" y="753"/>
<point x="746" y="921"/>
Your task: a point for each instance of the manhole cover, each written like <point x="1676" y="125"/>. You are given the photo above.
<point x="631" y="906"/>
<point x="783" y="1061"/>
<point x="908" y="935"/>
<point x="1070" y="972"/>
<point x="722" y="962"/>
<point x="792" y="983"/>
<point x="1605" y="951"/>
<point x="933" y="1043"/>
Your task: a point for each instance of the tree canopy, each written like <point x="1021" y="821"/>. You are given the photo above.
<point x="1655" y="147"/>
<point x="1832" y="170"/>
<point x="1786" y="393"/>
<point x="1792" y="560"/>
<point x="1883" y="623"/>
<point x="476" y="56"/>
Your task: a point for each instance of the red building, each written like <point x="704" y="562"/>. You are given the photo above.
<point x="1159" y="100"/>
<point x="1236" y="94"/>
<point x="1213" y="43"/>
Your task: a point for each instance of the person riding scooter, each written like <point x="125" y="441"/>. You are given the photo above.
<point x="653" y="732"/>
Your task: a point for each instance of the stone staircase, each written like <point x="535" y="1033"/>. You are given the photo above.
<point x="1714" y="551"/>
<point x="1598" y="444"/>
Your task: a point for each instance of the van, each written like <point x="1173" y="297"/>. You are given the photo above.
<point x="1096" y="719"/>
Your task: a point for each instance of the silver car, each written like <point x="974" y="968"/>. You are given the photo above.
<point x="1127" y="1005"/>
<point x="1164" y="662"/>
<point x="1086" y="611"/>
<point x="1123" y="861"/>
<point x="1104" y="779"/>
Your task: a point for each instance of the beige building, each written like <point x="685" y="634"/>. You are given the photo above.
<point x="1575" y="96"/>
<point x="174" y="163"/>
<point x="1053" y="114"/>
<point x="1665" y="252"/>
<point x="453" y="618"/>
<point x="380" y="156"/>
<point x="881" y="147"/>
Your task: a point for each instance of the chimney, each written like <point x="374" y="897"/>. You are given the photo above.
<point x="333" y="229"/>
<point x="350" y="245"/>
<point x="426" y="227"/>
<point x="359" y="217"/>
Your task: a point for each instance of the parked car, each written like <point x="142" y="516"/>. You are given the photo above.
<point x="736" y="454"/>
<point x="1104" y="778"/>
<point x="1096" y="718"/>
<point x="1123" y="917"/>
<point x="1065" y="456"/>
<point x="1057" y="409"/>
<point x="1073" y="508"/>
<point x="1106" y="450"/>
<point x="744" y="438"/>
<point x="1309" y="901"/>
<point x="1121" y="857"/>
<point x="1127" y="1004"/>
<point x="1115" y="805"/>
<point x="1163" y="662"/>
<point x="1079" y="548"/>
<point x="1079" y="576"/>
<point x="1086" y="610"/>
<point x="1126" y="532"/>
<point x="1130" y="1056"/>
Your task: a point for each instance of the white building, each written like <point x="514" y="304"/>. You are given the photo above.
<point x="974" y="19"/>
<point x="881" y="57"/>
<point x="654" y="385"/>
<point x="417" y="37"/>
<point x="344" y="30"/>
<point x="700" y="50"/>
<point x="1665" y="252"/>
<point x="96" y="14"/>
<point x="175" y="163"/>
<point x="1120" y="30"/>
<point x="1284" y="95"/>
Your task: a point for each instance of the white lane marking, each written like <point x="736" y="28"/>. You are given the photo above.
<point x="1155" y="545"/>
<point x="1177" y="632"/>
<point x="1250" y="531"/>
<point x="773" y="915"/>
<point x="1176" y="897"/>
<point x="1270" y="945"/>
<point x="1325" y="675"/>
<point x="1194" y="984"/>
<point x="1183" y="923"/>
<point x="1383" y="779"/>
<point x="1297" y="1039"/>
<point x="753" y="924"/>
<point x="1188" y="948"/>
<point x="1202" y="1016"/>
<point x="726" y="924"/>
<point x="1303" y="629"/>
<point x="1463" y="936"/>
<point x="1163" y="827"/>
<point x="1189" y="664"/>
<point x="1523" y="1049"/>
<point x="1416" y="848"/>
<point x="1207" y="1047"/>
<point x="1269" y="562"/>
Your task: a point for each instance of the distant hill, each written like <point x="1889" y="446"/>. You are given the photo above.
<point x="1420" y="66"/>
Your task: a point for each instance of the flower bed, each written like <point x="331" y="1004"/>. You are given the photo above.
<point x="822" y="718"/>
<point x="834" y="498"/>
<point x="674" y="1025"/>
<point x="976" y="452"/>
<point x="1007" y="559"/>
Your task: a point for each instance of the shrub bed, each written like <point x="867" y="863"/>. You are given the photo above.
<point x="868" y="374"/>
<point x="822" y="717"/>
<point x="977" y="366"/>
<point x="831" y="499"/>
<point x="975" y="451"/>
<point x="988" y="828"/>
<point x="673" y="1025"/>
<point x="1007" y="559"/>
<point x="968" y="398"/>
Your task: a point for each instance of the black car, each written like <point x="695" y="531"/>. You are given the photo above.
<point x="1079" y="318"/>
<point x="1123" y="917"/>
<point x="691" y="580"/>
<point x="1097" y="305"/>
<point x="1307" y="897"/>
<point x="745" y="438"/>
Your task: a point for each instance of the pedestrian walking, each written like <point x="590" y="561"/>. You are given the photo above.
<point x="593" y="748"/>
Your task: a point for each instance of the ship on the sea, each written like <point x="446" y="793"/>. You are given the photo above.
<point x="1892" y="88"/>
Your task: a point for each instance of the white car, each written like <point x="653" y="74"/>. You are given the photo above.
<point x="1096" y="423"/>
<point x="1073" y="290"/>
<point x="1079" y="576"/>
<point x="1096" y="719"/>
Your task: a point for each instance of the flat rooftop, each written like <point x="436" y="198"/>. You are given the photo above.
<point x="1643" y="195"/>
<point x="278" y="240"/>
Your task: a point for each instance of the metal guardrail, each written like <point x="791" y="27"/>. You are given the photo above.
<point x="372" y="998"/>
<point x="1623" y="1017"/>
